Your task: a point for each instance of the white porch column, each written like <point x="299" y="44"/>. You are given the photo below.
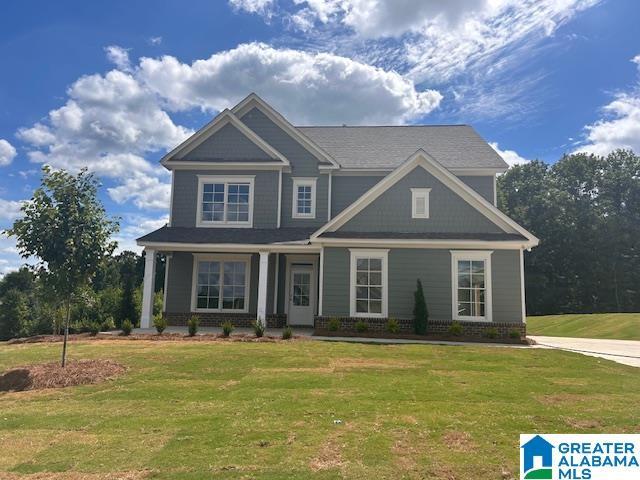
<point x="148" y="288"/>
<point x="262" y="288"/>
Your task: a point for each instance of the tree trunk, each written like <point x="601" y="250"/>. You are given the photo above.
<point x="66" y="333"/>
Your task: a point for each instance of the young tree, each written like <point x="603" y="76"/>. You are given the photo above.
<point x="420" y="312"/>
<point x="66" y="228"/>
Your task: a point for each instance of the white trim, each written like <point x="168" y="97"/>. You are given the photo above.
<point x="222" y="119"/>
<point x="263" y="282"/>
<point x="279" y="198"/>
<point x="253" y="100"/>
<point x="231" y="247"/>
<point x="382" y="254"/>
<point x="303" y="182"/>
<point x="171" y="199"/>
<point x="290" y="259"/>
<point x="275" y="285"/>
<point x="495" y="192"/>
<point x="329" y="188"/>
<point x="484" y="255"/>
<point x="198" y="257"/>
<point x="414" y="243"/>
<point x="202" y="179"/>
<point x="204" y="165"/>
<point x="522" y="289"/>
<point x="167" y="257"/>
<point x="462" y="172"/>
<point x="417" y="193"/>
<point x="424" y="160"/>
<point x="320" y="282"/>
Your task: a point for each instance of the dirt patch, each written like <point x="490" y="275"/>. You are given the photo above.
<point x="329" y="455"/>
<point x="228" y="384"/>
<point x="133" y="475"/>
<point x="582" y="424"/>
<point x="559" y="398"/>
<point x="156" y="337"/>
<point x="458" y="441"/>
<point x="442" y="472"/>
<point x="52" y="375"/>
<point x="404" y="452"/>
<point x="350" y="362"/>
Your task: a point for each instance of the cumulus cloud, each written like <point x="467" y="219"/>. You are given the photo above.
<point x="511" y="157"/>
<point x="305" y="87"/>
<point x="7" y="152"/>
<point x="146" y="192"/>
<point x="260" y="7"/>
<point x="134" y="226"/>
<point x="119" y="57"/>
<point x="9" y="210"/>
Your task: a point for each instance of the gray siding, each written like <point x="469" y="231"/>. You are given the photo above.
<point x="347" y="189"/>
<point x="228" y="143"/>
<point x="433" y="268"/>
<point x="391" y="212"/>
<point x="185" y="196"/>
<point x="481" y="184"/>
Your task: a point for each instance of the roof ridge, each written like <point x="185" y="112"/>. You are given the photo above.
<point x="386" y="126"/>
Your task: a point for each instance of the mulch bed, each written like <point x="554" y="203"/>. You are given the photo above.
<point x="52" y="375"/>
<point x="413" y="336"/>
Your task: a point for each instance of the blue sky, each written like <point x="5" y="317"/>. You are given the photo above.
<point x="112" y="87"/>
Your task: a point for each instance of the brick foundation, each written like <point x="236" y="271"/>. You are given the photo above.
<point x="348" y="324"/>
<point x="210" y="319"/>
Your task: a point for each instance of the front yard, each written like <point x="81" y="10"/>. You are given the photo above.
<point x="267" y="410"/>
<point x="615" y="326"/>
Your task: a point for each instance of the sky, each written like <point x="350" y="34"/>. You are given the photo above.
<point x="112" y="86"/>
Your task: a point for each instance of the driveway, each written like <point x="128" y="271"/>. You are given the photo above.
<point x="626" y="352"/>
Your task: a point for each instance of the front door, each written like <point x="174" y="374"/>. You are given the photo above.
<point x="301" y="295"/>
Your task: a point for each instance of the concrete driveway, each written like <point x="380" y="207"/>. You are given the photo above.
<point x="626" y="352"/>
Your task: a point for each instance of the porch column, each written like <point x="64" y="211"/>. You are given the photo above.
<point x="262" y="288"/>
<point x="148" y="288"/>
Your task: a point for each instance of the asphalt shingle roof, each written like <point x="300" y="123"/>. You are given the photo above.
<point x="454" y="146"/>
<point x="255" y="236"/>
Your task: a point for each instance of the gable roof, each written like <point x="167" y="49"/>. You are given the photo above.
<point x="426" y="161"/>
<point x="223" y="118"/>
<point x="387" y="147"/>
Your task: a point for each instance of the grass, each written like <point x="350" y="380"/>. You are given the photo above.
<point x="621" y="326"/>
<point x="248" y="410"/>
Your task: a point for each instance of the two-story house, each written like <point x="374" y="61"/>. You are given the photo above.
<point x="285" y="224"/>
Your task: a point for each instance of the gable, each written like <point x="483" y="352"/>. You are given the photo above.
<point x="448" y="212"/>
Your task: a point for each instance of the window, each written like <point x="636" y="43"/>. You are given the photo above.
<point x="368" y="296"/>
<point x="304" y="198"/>
<point x="471" y="274"/>
<point x="220" y="283"/>
<point x="225" y="201"/>
<point x="420" y="202"/>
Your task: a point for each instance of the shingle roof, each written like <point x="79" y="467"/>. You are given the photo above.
<point x="226" y="235"/>
<point x="424" y="236"/>
<point x="454" y="146"/>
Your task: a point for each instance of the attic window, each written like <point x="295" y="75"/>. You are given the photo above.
<point x="420" y="202"/>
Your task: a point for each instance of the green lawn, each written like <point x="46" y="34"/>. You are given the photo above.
<point x="621" y="326"/>
<point x="259" y="410"/>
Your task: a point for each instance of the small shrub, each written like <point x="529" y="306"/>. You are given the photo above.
<point x="94" y="328"/>
<point x="227" y="328"/>
<point x="491" y="332"/>
<point x="127" y="326"/>
<point x="192" y="324"/>
<point x="334" y="324"/>
<point x="420" y="311"/>
<point x="514" y="334"/>
<point x="287" y="333"/>
<point x="108" y="324"/>
<point x="160" y="322"/>
<point x="393" y="326"/>
<point x="361" y="326"/>
<point x="258" y="329"/>
<point x="455" y="329"/>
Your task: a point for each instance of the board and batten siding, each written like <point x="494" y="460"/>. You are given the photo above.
<point x="433" y="268"/>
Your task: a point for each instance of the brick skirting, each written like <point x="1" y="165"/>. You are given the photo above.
<point x="210" y="319"/>
<point x="348" y="324"/>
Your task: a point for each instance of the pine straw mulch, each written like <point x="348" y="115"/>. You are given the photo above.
<point x="52" y="375"/>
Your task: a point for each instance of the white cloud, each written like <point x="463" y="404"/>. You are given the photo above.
<point x="10" y="259"/>
<point x="7" y="152"/>
<point x="305" y="87"/>
<point x="511" y="157"/>
<point x="155" y="40"/>
<point x="260" y="7"/>
<point x="135" y="226"/>
<point x="119" y="57"/>
<point x="145" y="191"/>
<point x="9" y="210"/>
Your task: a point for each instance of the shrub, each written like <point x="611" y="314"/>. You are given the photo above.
<point x="393" y="326"/>
<point x="361" y="326"/>
<point x="193" y="323"/>
<point x="287" y="333"/>
<point x="94" y="328"/>
<point x="108" y="324"/>
<point x="258" y="329"/>
<point x="491" y="332"/>
<point x="127" y="326"/>
<point x="515" y="334"/>
<point x="227" y="328"/>
<point x="455" y="329"/>
<point x="160" y="322"/>
<point x="420" y="312"/>
<point x="334" y="324"/>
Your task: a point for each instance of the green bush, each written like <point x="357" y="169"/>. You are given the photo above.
<point x="333" y="325"/>
<point x="193" y="323"/>
<point x="455" y="329"/>
<point x="420" y="311"/>
<point x="361" y="326"/>
<point x="393" y="326"/>
<point x="108" y="324"/>
<point x="491" y="332"/>
<point x="227" y="328"/>
<point x="160" y="322"/>
<point x="94" y="328"/>
<point x="127" y="326"/>
<point x="258" y="329"/>
<point x="287" y="333"/>
<point x="515" y="334"/>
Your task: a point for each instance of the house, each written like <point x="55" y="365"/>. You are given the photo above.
<point x="285" y="224"/>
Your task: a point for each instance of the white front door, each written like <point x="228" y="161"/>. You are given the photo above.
<point x="301" y="295"/>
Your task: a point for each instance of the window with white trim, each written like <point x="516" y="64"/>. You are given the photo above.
<point x="304" y="198"/>
<point x="368" y="296"/>
<point x="471" y="274"/>
<point x="225" y="201"/>
<point x="221" y="284"/>
<point x="420" y="202"/>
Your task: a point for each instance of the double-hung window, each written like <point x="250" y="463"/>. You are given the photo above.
<point x="369" y="284"/>
<point x="221" y="283"/>
<point x="304" y="198"/>
<point x="471" y="275"/>
<point x="225" y="201"/>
